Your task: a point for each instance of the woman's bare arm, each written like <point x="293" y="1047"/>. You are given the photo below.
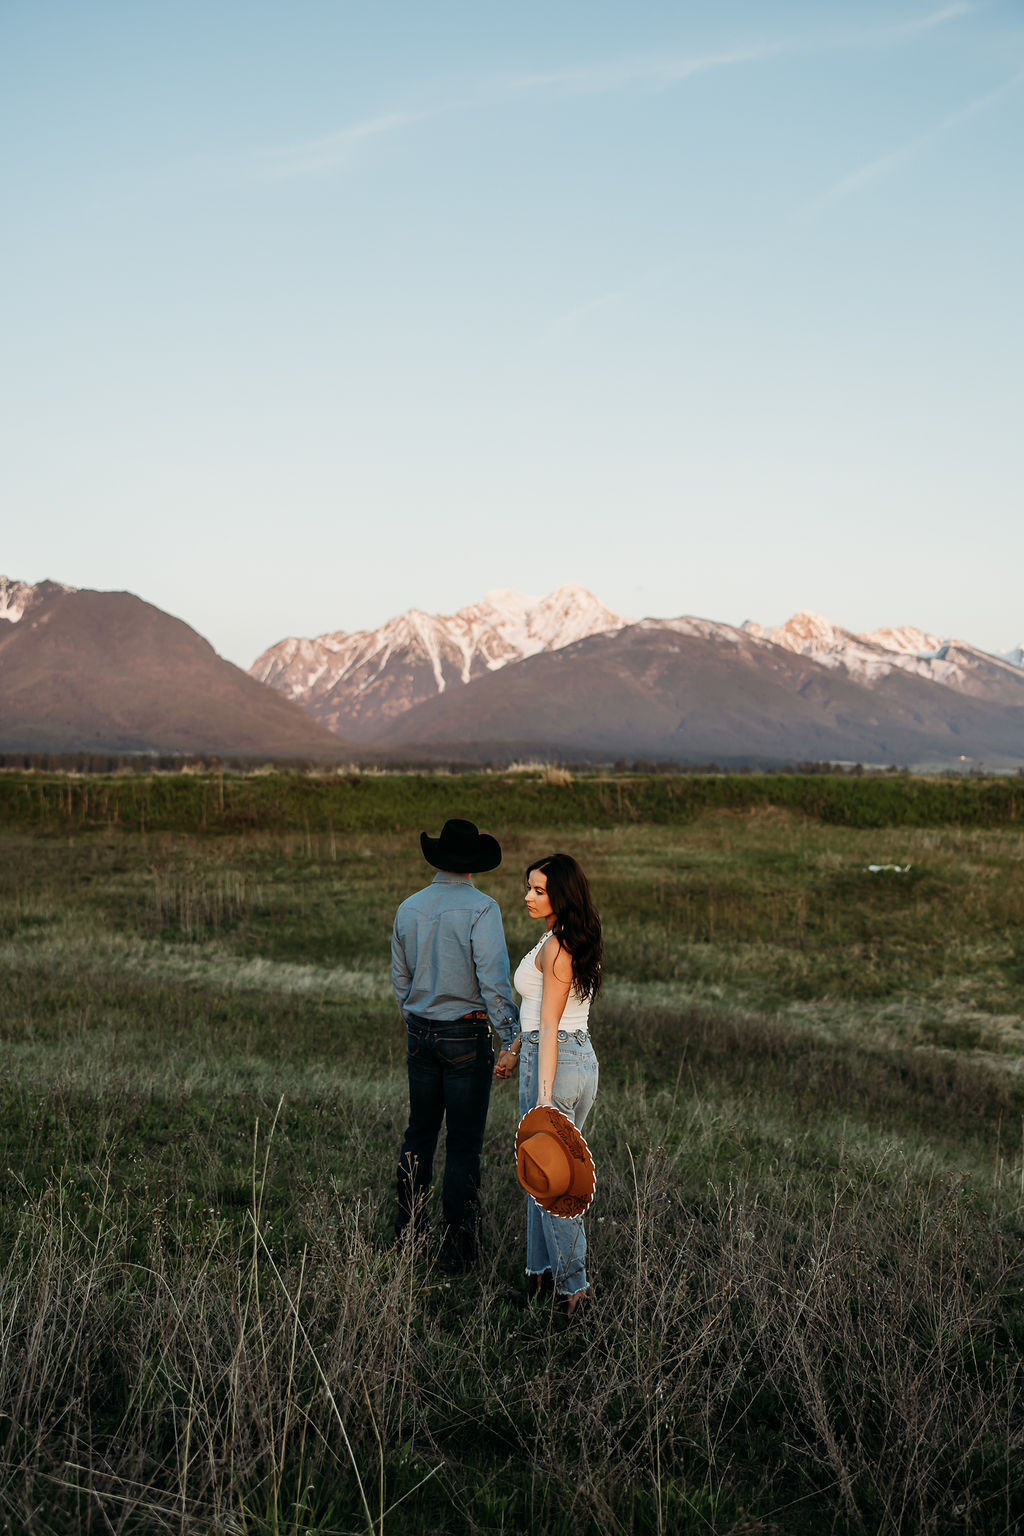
<point x="556" y="968"/>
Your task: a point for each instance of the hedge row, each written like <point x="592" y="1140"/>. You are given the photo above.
<point x="409" y="802"/>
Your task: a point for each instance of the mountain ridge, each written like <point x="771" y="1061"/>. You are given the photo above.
<point x="108" y="672"/>
<point x="670" y="695"/>
<point x="953" y="662"/>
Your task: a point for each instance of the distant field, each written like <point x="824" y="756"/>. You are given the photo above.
<point x="502" y="800"/>
<point x="809" y="1229"/>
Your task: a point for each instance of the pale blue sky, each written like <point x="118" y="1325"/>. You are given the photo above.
<point x="317" y="311"/>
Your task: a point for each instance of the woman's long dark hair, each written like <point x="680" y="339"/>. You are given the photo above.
<point x="577" y="921"/>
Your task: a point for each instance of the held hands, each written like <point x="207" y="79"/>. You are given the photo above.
<point x="507" y="1062"/>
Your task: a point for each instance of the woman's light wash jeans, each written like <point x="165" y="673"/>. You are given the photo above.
<point x="559" y="1243"/>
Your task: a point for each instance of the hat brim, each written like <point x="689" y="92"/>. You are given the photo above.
<point x="575" y="1201"/>
<point x="486" y="855"/>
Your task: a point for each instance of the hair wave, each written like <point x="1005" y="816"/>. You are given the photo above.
<point x="577" y="925"/>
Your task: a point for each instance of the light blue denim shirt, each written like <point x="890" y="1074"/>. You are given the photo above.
<point x="448" y="956"/>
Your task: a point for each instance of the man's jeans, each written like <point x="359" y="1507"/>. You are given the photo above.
<point x="451" y="1068"/>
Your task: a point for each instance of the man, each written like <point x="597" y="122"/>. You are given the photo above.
<point x="449" y="969"/>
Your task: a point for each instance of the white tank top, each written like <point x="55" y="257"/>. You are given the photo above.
<point x="529" y="983"/>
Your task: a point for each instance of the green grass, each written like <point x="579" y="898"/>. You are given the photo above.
<point x="806" y="1245"/>
<point x="351" y="800"/>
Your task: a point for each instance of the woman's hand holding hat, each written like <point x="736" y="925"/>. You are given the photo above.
<point x="553" y="1162"/>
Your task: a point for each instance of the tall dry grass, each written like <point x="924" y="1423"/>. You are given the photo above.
<point x="795" y="1335"/>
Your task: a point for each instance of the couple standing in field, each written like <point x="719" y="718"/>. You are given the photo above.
<point x="450" y="972"/>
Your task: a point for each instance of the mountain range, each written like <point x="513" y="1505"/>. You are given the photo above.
<point x="560" y="676"/>
<point x="565" y="676"/>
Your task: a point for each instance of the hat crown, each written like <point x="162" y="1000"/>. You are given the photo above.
<point x="460" y="836"/>
<point x="544" y="1166"/>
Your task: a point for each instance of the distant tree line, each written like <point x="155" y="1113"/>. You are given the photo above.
<point x="142" y="763"/>
<point x="156" y="762"/>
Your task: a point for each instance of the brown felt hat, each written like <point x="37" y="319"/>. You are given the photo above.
<point x="554" y="1163"/>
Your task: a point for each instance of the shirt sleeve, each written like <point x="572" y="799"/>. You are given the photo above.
<point x="401" y="976"/>
<point x="490" y="961"/>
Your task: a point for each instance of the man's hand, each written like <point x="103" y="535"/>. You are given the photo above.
<point x="506" y="1063"/>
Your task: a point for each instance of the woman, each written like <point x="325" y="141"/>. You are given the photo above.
<point x="558" y="980"/>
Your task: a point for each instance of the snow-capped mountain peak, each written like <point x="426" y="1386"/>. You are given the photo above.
<point x="870" y="658"/>
<point x="346" y="679"/>
<point x="808" y="629"/>
<point x="508" y="600"/>
<point x="16" y="597"/>
<point x="906" y="640"/>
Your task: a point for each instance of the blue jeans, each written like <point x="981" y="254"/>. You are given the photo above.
<point x="559" y="1243"/>
<point x="451" y="1068"/>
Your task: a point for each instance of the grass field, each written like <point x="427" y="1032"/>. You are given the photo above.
<point x="807" y="1242"/>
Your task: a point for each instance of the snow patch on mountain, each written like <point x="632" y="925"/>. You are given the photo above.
<point x="907" y="640"/>
<point x="866" y="657"/>
<point x="701" y="629"/>
<point x="17" y="597"/>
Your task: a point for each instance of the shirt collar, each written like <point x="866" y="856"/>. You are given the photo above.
<point x="446" y="877"/>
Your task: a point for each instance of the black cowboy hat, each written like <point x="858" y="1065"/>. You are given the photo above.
<point x="461" y="849"/>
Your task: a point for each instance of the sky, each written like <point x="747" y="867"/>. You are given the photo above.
<point x="316" y="312"/>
